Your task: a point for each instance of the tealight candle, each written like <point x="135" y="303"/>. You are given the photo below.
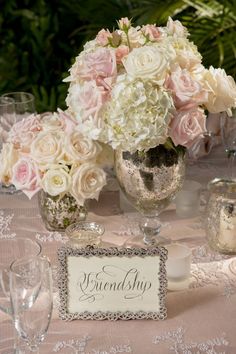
<point x="178" y="266"/>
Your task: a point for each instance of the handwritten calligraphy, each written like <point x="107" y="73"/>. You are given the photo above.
<point x="129" y="282"/>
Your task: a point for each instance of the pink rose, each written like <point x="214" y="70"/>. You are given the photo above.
<point x="99" y="66"/>
<point x="187" y="92"/>
<point x="103" y="37"/>
<point x="151" y="32"/>
<point x="23" y="132"/>
<point x="87" y="99"/>
<point x="186" y="127"/>
<point x="25" y="176"/>
<point x="121" y="52"/>
<point x="124" y="23"/>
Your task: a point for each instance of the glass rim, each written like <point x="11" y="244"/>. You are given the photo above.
<point x="86" y="226"/>
<point x="18" y="261"/>
<point x="30" y="96"/>
<point x="24" y="239"/>
<point x="8" y="100"/>
<point x="222" y="185"/>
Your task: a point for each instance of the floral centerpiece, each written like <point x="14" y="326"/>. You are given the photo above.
<point x="139" y="87"/>
<point x="46" y="153"/>
<point x="144" y="91"/>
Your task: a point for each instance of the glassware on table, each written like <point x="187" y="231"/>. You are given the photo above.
<point x="221" y="216"/>
<point x="7" y="119"/>
<point x="24" y="104"/>
<point x="178" y="266"/>
<point x="10" y="250"/>
<point x="85" y="233"/>
<point x="150" y="181"/>
<point x="228" y="134"/>
<point x="187" y="200"/>
<point x="32" y="299"/>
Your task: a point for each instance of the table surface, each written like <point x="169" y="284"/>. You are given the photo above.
<point x="201" y="319"/>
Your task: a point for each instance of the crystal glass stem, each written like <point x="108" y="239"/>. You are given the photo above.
<point x="150" y="226"/>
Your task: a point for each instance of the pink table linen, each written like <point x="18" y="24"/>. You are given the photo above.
<point x="201" y="319"/>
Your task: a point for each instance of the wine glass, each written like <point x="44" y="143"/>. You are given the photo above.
<point x="32" y="300"/>
<point x="228" y="134"/>
<point x="24" y="104"/>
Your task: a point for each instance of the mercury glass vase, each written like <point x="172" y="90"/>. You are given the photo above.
<point x="58" y="212"/>
<point x="221" y="216"/>
<point x="150" y="181"/>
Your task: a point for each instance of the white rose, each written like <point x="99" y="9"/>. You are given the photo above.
<point x="8" y="158"/>
<point x="135" y="35"/>
<point x="80" y="148"/>
<point x="175" y="28"/>
<point x="147" y="63"/>
<point x="222" y="91"/>
<point x="51" y="121"/>
<point x="47" y="147"/>
<point x="56" y="181"/>
<point x="87" y="182"/>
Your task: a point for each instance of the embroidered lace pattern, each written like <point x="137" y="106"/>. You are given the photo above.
<point x="79" y="346"/>
<point x="5" y="222"/>
<point x="75" y="346"/>
<point x="221" y="274"/>
<point x="52" y="237"/>
<point x="177" y="344"/>
<point x="130" y="225"/>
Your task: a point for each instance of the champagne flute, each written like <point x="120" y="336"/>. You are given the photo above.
<point x="32" y="300"/>
<point x="11" y="249"/>
<point x="228" y="134"/>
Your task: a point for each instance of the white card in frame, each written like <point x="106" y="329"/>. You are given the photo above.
<point x="112" y="283"/>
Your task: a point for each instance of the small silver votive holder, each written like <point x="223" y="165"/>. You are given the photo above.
<point x="84" y="233"/>
<point x="221" y="216"/>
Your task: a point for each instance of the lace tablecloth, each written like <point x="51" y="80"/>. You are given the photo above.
<point x="201" y="319"/>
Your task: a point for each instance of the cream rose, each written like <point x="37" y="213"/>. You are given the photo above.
<point x="222" y="91"/>
<point x="147" y="63"/>
<point x="87" y="182"/>
<point x="47" y="147"/>
<point x="79" y="148"/>
<point x="175" y="28"/>
<point x="51" y="121"/>
<point x="56" y="180"/>
<point x="8" y="158"/>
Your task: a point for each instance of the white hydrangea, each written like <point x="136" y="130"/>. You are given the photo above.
<point x="137" y="116"/>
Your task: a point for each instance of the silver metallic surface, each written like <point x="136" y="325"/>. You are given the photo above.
<point x="150" y="180"/>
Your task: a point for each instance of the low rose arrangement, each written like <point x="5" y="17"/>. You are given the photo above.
<point x="139" y="87"/>
<point x="48" y="152"/>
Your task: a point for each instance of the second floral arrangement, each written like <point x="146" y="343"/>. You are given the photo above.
<point x="47" y="153"/>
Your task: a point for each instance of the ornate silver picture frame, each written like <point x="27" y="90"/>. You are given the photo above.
<point x="112" y="283"/>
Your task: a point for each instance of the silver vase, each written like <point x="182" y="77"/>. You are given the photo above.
<point x="150" y="181"/>
<point x="59" y="212"/>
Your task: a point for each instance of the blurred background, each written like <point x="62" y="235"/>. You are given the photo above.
<point x="39" y="39"/>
